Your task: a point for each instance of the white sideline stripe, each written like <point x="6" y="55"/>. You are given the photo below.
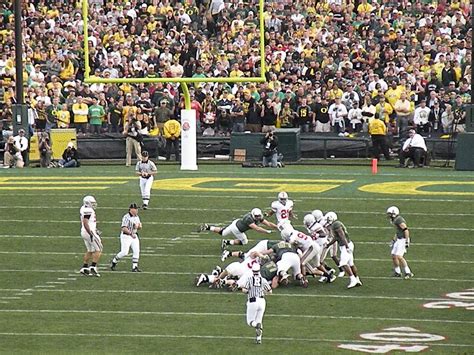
<point x="207" y="314"/>
<point x="67" y="278"/>
<point x="10" y="298"/>
<point x="249" y="197"/>
<point x="192" y="238"/>
<point x="239" y="211"/>
<point x="229" y="294"/>
<point x="194" y="224"/>
<point x="55" y="282"/>
<point x="174" y="273"/>
<point x="4" y="302"/>
<point x="214" y="337"/>
<point x="23" y="294"/>
<point x="144" y="253"/>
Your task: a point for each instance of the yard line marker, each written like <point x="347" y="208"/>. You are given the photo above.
<point x="23" y="294"/>
<point x="200" y="238"/>
<point x="217" y="314"/>
<point x="45" y="286"/>
<point x="10" y="298"/>
<point x="229" y="294"/>
<point x="257" y="195"/>
<point x="194" y="224"/>
<point x="4" y="302"/>
<point x="214" y="337"/>
<point x="217" y="256"/>
<point x="67" y="278"/>
<point x="240" y="211"/>
<point x="194" y="273"/>
<point x="55" y="282"/>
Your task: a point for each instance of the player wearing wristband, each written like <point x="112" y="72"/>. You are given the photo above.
<point x="91" y="236"/>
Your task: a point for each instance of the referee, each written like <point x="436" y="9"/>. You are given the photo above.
<point x="256" y="287"/>
<point x="146" y="169"/>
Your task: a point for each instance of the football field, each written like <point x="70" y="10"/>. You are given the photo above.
<point x="47" y="306"/>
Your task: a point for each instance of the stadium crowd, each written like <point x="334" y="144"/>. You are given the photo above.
<point x="331" y="65"/>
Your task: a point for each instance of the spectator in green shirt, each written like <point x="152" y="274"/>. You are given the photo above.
<point x="96" y="115"/>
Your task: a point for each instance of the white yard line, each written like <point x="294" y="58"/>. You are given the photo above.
<point x="215" y="256"/>
<point x="201" y="239"/>
<point x="260" y="196"/>
<point x="230" y="294"/>
<point x="214" y="337"/>
<point x="59" y="222"/>
<point x="237" y="211"/>
<point x="216" y="314"/>
<point x="187" y="273"/>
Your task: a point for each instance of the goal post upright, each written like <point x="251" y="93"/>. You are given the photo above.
<point x="188" y="136"/>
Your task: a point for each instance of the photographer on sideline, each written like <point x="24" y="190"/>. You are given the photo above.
<point x="270" y="152"/>
<point x="134" y="139"/>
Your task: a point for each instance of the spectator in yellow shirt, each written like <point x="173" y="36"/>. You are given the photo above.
<point x="80" y="110"/>
<point x="378" y="133"/>
<point x="383" y="109"/>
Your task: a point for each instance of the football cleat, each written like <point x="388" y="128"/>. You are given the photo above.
<point x="304" y="282"/>
<point x="284" y="278"/>
<point x="396" y="274"/>
<point x="202" y="279"/>
<point x="112" y="265"/>
<point x="93" y="271"/>
<point x="136" y="269"/>
<point x="218" y="269"/>
<point x="341" y="274"/>
<point x="409" y="276"/>
<point x="224" y="243"/>
<point x="144" y="207"/>
<point x="353" y="283"/>
<point x="359" y="283"/>
<point x="84" y="271"/>
<point x="203" y="227"/>
<point x="323" y="279"/>
<point x="258" y="333"/>
<point x="225" y="255"/>
<point x="331" y="279"/>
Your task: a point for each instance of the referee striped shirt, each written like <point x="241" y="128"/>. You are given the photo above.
<point x="130" y="222"/>
<point x="145" y="167"/>
<point x="257" y="286"/>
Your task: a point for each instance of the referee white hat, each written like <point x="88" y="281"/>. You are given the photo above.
<point x="256" y="267"/>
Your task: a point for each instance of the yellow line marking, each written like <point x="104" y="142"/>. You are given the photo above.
<point x="27" y="178"/>
<point x="415" y="188"/>
<point x="53" y="188"/>
<point x="63" y="183"/>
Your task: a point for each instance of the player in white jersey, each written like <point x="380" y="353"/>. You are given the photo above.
<point x="310" y="253"/>
<point x="315" y="225"/>
<point x="281" y="208"/>
<point x="129" y="238"/>
<point x="91" y="236"/>
<point x="146" y="169"/>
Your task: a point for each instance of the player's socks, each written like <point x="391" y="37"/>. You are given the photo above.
<point x="93" y="264"/>
<point x="212" y="229"/>
<point x="397" y="270"/>
<point x="406" y="269"/>
<point x="85" y="265"/>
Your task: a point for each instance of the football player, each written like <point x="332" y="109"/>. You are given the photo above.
<point x="400" y="242"/>
<point x="340" y="235"/>
<point x="91" y="236"/>
<point x="310" y="254"/>
<point x="281" y="208"/>
<point x="260" y="246"/>
<point x="314" y="223"/>
<point x="239" y="226"/>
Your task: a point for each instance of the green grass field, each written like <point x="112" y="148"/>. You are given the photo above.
<point x="47" y="307"/>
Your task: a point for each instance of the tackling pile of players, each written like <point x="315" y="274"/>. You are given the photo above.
<point x="297" y="255"/>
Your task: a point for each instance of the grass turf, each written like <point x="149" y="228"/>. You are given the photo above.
<point x="45" y="306"/>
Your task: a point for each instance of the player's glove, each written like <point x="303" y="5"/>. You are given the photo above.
<point x="269" y="231"/>
<point x="266" y="214"/>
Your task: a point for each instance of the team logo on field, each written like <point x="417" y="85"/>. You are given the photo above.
<point x="245" y="184"/>
<point x="449" y="188"/>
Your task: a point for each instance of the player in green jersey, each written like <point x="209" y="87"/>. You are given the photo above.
<point x="400" y="243"/>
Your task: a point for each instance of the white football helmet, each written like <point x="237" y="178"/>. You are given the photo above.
<point x="330" y="218"/>
<point x="89" y="201"/>
<point x="318" y="214"/>
<point x="393" y="211"/>
<point x="257" y="214"/>
<point x="283" y="197"/>
<point x="309" y="220"/>
<point x="286" y="232"/>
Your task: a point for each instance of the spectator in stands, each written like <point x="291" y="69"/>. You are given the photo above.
<point x="378" y="133"/>
<point x="322" y="118"/>
<point x="338" y="115"/>
<point x="237" y="115"/>
<point x="421" y="118"/>
<point x="70" y="158"/>
<point x="96" y="116"/>
<point x="133" y="139"/>
<point x="80" y="110"/>
<point x="269" y="116"/>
